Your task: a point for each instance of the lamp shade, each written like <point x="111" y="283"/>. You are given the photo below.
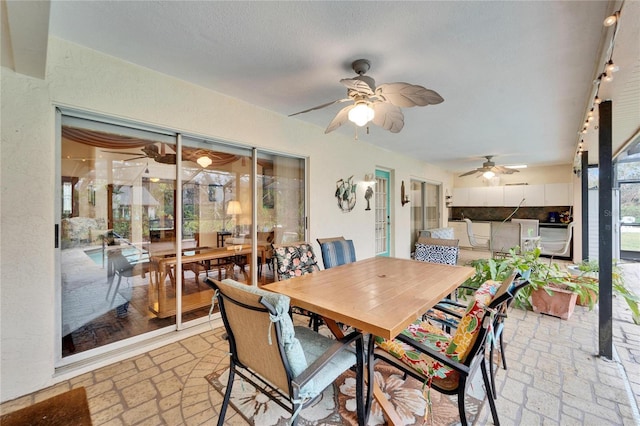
<point x="204" y="161"/>
<point x="234" y="208"/>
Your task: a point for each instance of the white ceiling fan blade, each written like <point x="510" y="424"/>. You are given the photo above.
<point x="469" y="173"/>
<point x="504" y="170"/>
<point x="341" y="117"/>
<point x="388" y="116"/>
<point x="320" y="106"/>
<point x="360" y="85"/>
<point x="407" y="95"/>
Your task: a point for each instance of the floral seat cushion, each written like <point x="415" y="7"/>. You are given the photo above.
<point x="294" y="261"/>
<point x="456" y="346"/>
<point x="484" y="295"/>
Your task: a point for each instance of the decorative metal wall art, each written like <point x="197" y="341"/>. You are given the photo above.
<point x="367" y="196"/>
<point x="346" y="194"/>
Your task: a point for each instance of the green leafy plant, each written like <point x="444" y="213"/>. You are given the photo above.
<point x="542" y="274"/>
<point x="588" y="270"/>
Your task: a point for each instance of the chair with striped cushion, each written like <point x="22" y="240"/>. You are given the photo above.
<point x="337" y="252"/>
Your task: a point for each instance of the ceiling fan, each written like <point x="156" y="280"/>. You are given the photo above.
<point x="489" y="169"/>
<point x="379" y="105"/>
<point x="150" y="151"/>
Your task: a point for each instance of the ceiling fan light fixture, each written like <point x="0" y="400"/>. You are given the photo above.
<point x="204" y="161"/>
<point x="488" y="174"/>
<point x="361" y="114"/>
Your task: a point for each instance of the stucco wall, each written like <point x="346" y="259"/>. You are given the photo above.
<point x="87" y="80"/>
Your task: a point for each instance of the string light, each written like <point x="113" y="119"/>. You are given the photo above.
<point x="612" y="19"/>
<point x="611" y="67"/>
<point x="606" y="75"/>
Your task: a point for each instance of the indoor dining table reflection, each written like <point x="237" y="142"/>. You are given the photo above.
<point x="380" y="296"/>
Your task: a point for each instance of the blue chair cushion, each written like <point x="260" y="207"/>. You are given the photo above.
<point x="336" y="253"/>
<point x="314" y="346"/>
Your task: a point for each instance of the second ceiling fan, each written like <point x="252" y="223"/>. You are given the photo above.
<point x="379" y="105"/>
<point x="489" y="169"/>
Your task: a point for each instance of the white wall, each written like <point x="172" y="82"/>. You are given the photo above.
<point x="80" y="78"/>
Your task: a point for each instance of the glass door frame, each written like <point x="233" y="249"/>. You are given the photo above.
<point x="383" y="202"/>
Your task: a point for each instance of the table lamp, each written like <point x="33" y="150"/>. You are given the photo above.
<point x="234" y="209"/>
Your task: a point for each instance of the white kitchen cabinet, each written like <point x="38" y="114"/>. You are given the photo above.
<point x="461" y="197"/>
<point x="558" y="194"/>
<point x="486" y="196"/>
<point x="550" y="194"/>
<point x="513" y="194"/>
<point x="533" y="195"/>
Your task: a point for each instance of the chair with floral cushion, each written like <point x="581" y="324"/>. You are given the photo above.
<point x="293" y="260"/>
<point x="446" y="362"/>
<point x="449" y="312"/>
<point x="290" y="365"/>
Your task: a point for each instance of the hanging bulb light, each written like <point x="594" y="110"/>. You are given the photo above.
<point x="608" y="78"/>
<point x="611" y="67"/>
<point x="590" y="113"/>
<point x="361" y="114"/>
<point x="597" y="100"/>
<point x="610" y="20"/>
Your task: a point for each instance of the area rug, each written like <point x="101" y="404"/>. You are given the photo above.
<point x="337" y="405"/>
<point x="68" y="408"/>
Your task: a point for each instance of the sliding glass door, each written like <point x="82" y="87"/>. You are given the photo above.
<point x="425" y="207"/>
<point x="139" y="235"/>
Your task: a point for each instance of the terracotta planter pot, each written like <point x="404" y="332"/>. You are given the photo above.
<point x="560" y="304"/>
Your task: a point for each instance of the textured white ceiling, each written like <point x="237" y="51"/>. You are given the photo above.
<point x="516" y="76"/>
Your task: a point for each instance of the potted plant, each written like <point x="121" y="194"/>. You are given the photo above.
<point x="588" y="271"/>
<point x="552" y="290"/>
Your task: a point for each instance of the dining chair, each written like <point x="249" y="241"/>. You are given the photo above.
<point x="292" y="260"/>
<point x="265" y="238"/>
<point x="437" y="250"/>
<point x="449" y="313"/>
<point x="336" y="252"/>
<point x="446" y="233"/>
<point x="329" y="239"/>
<point x="291" y="365"/>
<point x="504" y="237"/>
<point x="558" y="247"/>
<point x="118" y="264"/>
<point x="476" y="241"/>
<point x="446" y="362"/>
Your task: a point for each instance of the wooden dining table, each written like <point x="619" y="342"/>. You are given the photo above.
<point x="380" y="296"/>
<point x="162" y="302"/>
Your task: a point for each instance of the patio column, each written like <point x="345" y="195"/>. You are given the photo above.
<point x="605" y="249"/>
